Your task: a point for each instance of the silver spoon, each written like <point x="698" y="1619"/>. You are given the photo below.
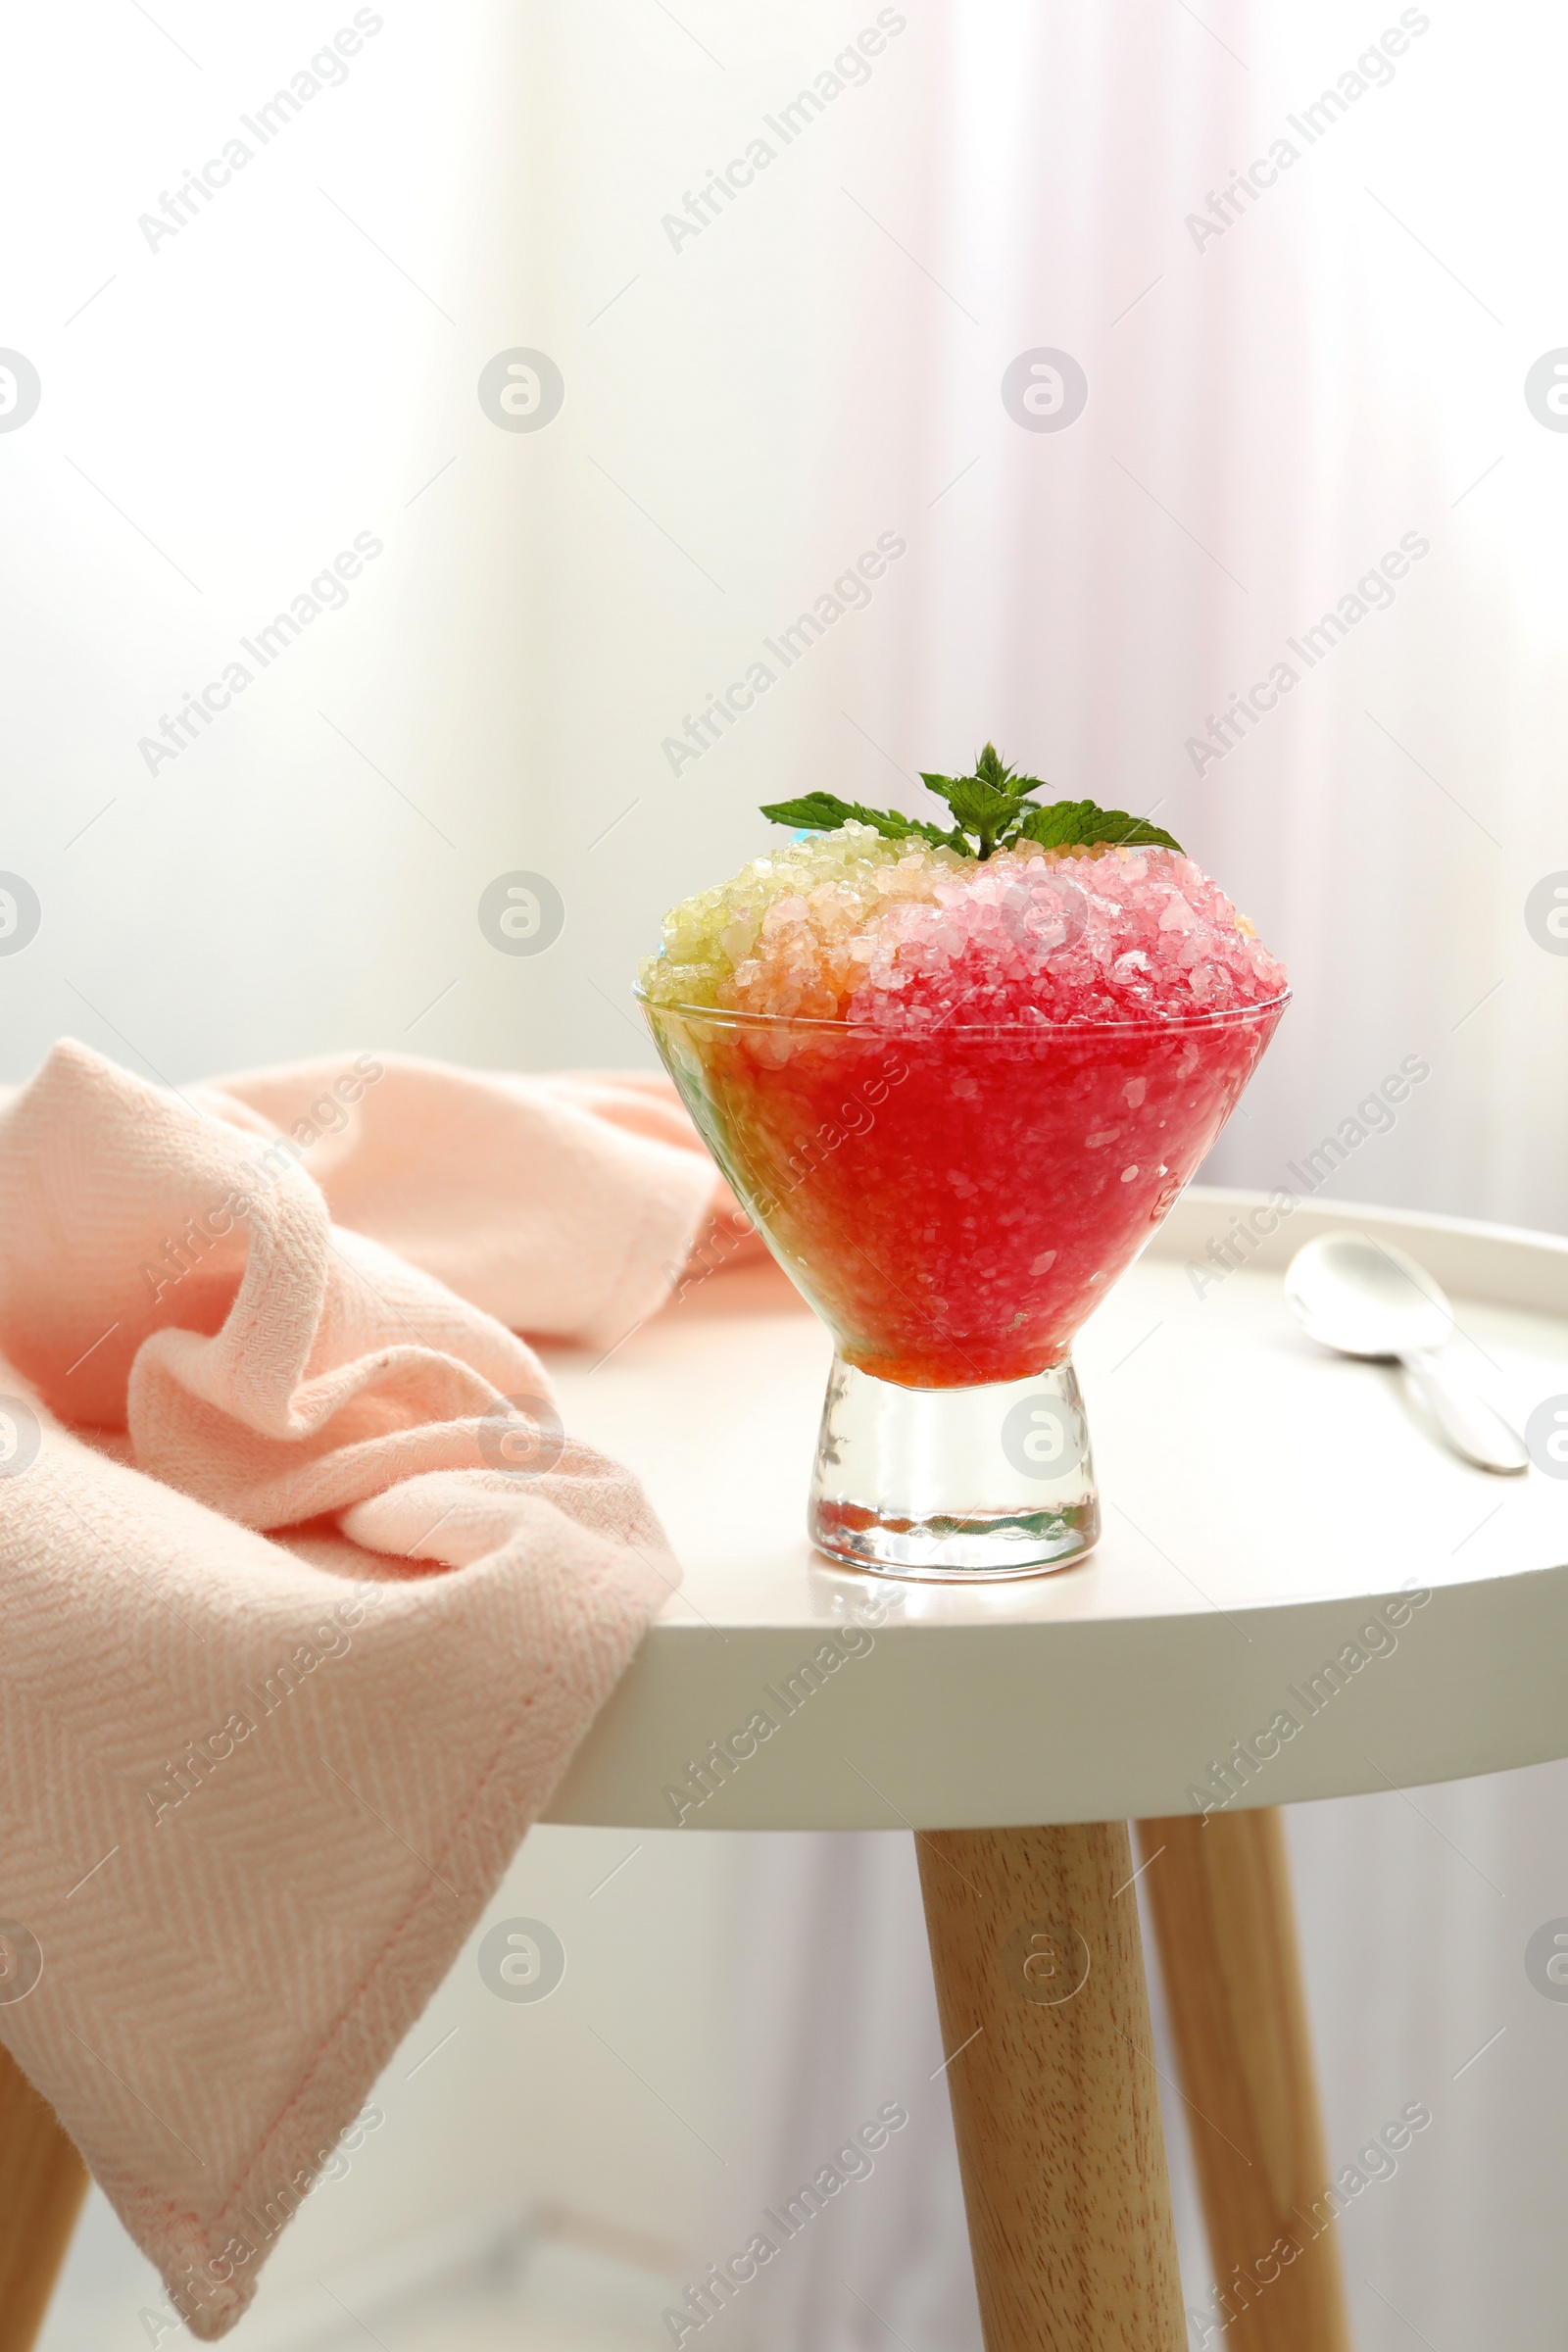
<point x="1364" y="1297"/>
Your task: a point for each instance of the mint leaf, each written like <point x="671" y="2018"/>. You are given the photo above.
<point x="991" y="805"/>
<point x="988" y="803"/>
<point x="1080" y="824"/>
<point x="991" y="768"/>
<point x="824" y="813"/>
<point x="980" y="807"/>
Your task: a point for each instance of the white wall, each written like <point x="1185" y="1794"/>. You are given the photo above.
<point x="1293" y="399"/>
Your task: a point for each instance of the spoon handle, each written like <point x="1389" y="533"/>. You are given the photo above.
<point x="1471" y="1426"/>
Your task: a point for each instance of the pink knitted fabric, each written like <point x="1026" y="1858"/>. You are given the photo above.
<point x="302" y="1618"/>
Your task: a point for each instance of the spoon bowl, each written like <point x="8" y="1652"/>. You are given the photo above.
<point x="1364" y="1297"/>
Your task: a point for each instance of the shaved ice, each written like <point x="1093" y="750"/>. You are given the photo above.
<point x="898" y="937"/>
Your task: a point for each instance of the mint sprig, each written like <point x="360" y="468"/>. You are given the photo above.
<point x="991" y="805"/>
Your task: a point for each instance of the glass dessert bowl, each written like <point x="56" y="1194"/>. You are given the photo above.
<point x="954" y="1166"/>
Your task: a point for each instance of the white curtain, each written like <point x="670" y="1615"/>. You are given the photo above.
<point x="761" y="381"/>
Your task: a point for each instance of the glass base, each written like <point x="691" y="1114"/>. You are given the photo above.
<point x="991" y="1480"/>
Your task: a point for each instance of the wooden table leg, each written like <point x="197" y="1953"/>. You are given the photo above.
<point x="1045" y="2014"/>
<point x="1220" y="1893"/>
<point x="42" y="2183"/>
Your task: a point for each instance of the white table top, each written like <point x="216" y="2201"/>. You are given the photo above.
<point x="1257" y="1496"/>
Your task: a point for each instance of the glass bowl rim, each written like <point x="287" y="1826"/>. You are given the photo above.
<point x="1135" y="1025"/>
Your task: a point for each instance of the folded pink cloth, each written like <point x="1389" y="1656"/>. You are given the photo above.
<point x="265" y="1756"/>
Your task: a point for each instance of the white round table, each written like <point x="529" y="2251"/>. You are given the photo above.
<point x="1259" y="1496"/>
<point x="1298" y="1592"/>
